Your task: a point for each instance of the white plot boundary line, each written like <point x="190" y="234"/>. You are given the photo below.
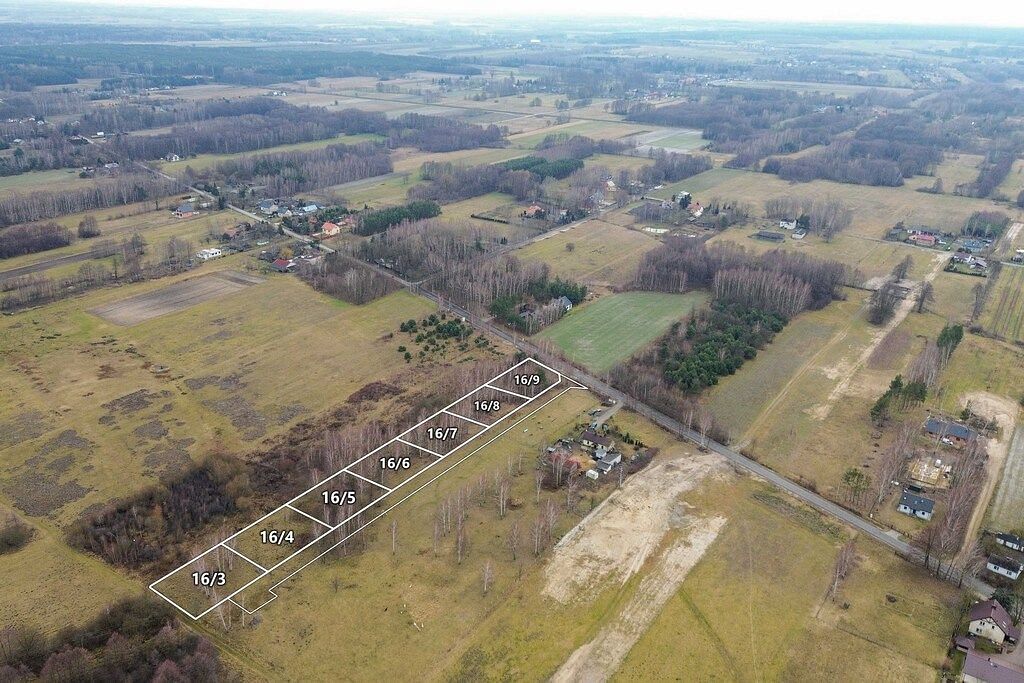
<point x="396" y="504"/>
<point x="560" y="379"/>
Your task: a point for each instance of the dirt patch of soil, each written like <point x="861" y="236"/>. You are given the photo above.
<point x="38" y="494"/>
<point x="154" y="430"/>
<point x="24" y="427"/>
<point x="173" y="298"/>
<point x="602" y="656"/>
<point x="171" y="460"/>
<point x="68" y="439"/>
<point x="134" y="402"/>
<point x="1003" y="411"/>
<point x="229" y="383"/>
<point x="374" y="391"/>
<point x="613" y="542"/>
<point x="245" y="418"/>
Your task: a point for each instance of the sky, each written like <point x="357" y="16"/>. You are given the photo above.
<point x="928" y="12"/>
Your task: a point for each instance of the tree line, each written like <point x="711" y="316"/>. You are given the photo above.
<point x="282" y="174"/>
<point x="45" y="204"/>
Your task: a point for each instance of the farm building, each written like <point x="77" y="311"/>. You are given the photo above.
<point x="916" y="506"/>
<point x="769" y="236"/>
<point x="1010" y="541"/>
<point x="980" y="668"/>
<point x="950" y="432"/>
<point x="923" y="239"/>
<point x="990" y="620"/>
<point x="1004" y="566"/>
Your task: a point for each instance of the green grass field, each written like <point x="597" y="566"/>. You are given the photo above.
<point x="595" y="252"/>
<point x="58" y="179"/>
<point x="611" y="329"/>
<point x="1004" y="311"/>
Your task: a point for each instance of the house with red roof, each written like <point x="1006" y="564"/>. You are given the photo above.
<point x="989" y="619"/>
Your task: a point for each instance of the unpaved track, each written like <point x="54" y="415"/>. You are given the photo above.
<point x="1004" y="411"/>
<point x="614" y="541"/>
<point x="597" y="660"/>
<point x="822" y="411"/>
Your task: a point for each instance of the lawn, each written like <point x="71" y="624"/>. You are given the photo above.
<point x="611" y="329"/>
<point x="594" y="252"/>
<point x="1004" y="310"/>
<point x="734" y="619"/>
<point x="58" y="179"/>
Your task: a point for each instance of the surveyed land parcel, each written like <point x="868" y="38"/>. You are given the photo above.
<point x="330" y="512"/>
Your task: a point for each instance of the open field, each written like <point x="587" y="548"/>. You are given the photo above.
<point x="1004" y="310"/>
<point x="58" y="179"/>
<point x="765" y="538"/>
<point x="872" y="257"/>
<point x="601" y="252"/>
<point x="155" y="226"/>
<point x="838" y="89"/>
<point x="1007" y="507"/>
<point x="876" y="209"/>
<point x="175" y="297"/>
<point x="611" y="329"/>
<point x="56" y="586"/>
<point x="954" y="170"/>
<point x="252" y="364"/>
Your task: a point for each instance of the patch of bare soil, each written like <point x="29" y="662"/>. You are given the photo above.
<point x="154" y="430"/>
<point x="134" y="402"/>
<point x="614" y="541"/>
<point x="1003" y="411"/>
<point x="23" y="427"/>
<point x="602" y="656"/>
<point x="37" y="494"/>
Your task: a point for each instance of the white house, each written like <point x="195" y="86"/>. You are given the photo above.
<point x="1004" y="566"/>
<point x="207" y="254"/>
<point x="1010" y="541"/>
<point x="916" y="506"/>
<point x="787" y="224"/>
<point x="989" y="619"/>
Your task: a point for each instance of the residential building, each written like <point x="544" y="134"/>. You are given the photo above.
<point x="981" y="668"/>
<point x="330" y="229"/>
<point x="591" y="439"/>
<point x="916" y="506"/>
<point x="1004" y="566"/>
<point x="787" y="224"/>
<point x="950" y="432"/>
<point x="989" y="619"/>
<point x="283" y="265"/>
<point x="184" y="210"/>
<point x="1010" y="541"/>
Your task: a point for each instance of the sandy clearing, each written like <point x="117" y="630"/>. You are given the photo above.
<point x="614" y="541"/>
<point x="174" y="297"/>
<point x="1004" y="411"/>
<point x="848" y="370"/>
<point x="602" y="656"/>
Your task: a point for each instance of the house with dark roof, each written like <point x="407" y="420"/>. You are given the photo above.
<point x="564" y="303"/>
<point x="989" y="619"/>
<point x="980" y="668"/>
<point x="184" y="210"/>
<point x="591" y="439"/>
<point x="1010" y="541"/>
<point x="1004" y="566"/>
<point x="953" y="433"/>
<point x="916" y="506"/>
